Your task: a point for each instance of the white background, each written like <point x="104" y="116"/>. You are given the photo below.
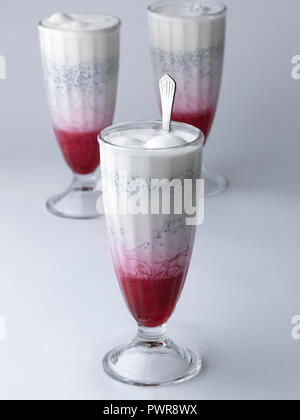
<point x="58" y="291"/>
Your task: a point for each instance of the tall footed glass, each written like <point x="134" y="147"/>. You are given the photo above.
<point x="187" y="41"/>
<point x="80" y="56"/>
<point x="147" y="196"/>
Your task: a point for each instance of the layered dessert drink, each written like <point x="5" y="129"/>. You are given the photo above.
<point x="187" y="41"/>
<point x="80" y="55"/>
<point x="151" y="251"/>
<point x="144" y="170"/>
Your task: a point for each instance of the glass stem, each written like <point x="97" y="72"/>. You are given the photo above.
<point x="84" y="182"/>
<point x="151" y="335"/>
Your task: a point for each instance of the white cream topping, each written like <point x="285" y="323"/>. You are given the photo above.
<point x="150" y="139"/>
<point x="188" y="9"/>
<point x="79" y="22"/>
<point x="178" y="27"/>
<point x="78" y="38"/>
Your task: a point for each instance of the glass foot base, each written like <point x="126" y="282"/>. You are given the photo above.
<point x="78" y="201"/>
<point x="152" y="362"/>
<point x="214" y="184"/>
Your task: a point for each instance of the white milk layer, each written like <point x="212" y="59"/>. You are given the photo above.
<point x="177" y="27"/>
<point x="129" y="171"/>
<point x="80" y="55"/>
<point x="79" y="37"/>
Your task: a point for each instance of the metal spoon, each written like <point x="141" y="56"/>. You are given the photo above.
<point x="167" y="87"/>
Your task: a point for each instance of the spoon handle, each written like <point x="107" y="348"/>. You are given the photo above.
<point x="167" y="87"/>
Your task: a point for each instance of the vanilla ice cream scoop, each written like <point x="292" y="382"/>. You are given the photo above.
<point x="164" y="140"/>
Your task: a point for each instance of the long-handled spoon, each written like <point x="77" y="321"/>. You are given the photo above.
<point x="167" y="87"/>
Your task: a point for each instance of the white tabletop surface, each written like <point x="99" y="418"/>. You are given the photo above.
<point x="59" y="294"/>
